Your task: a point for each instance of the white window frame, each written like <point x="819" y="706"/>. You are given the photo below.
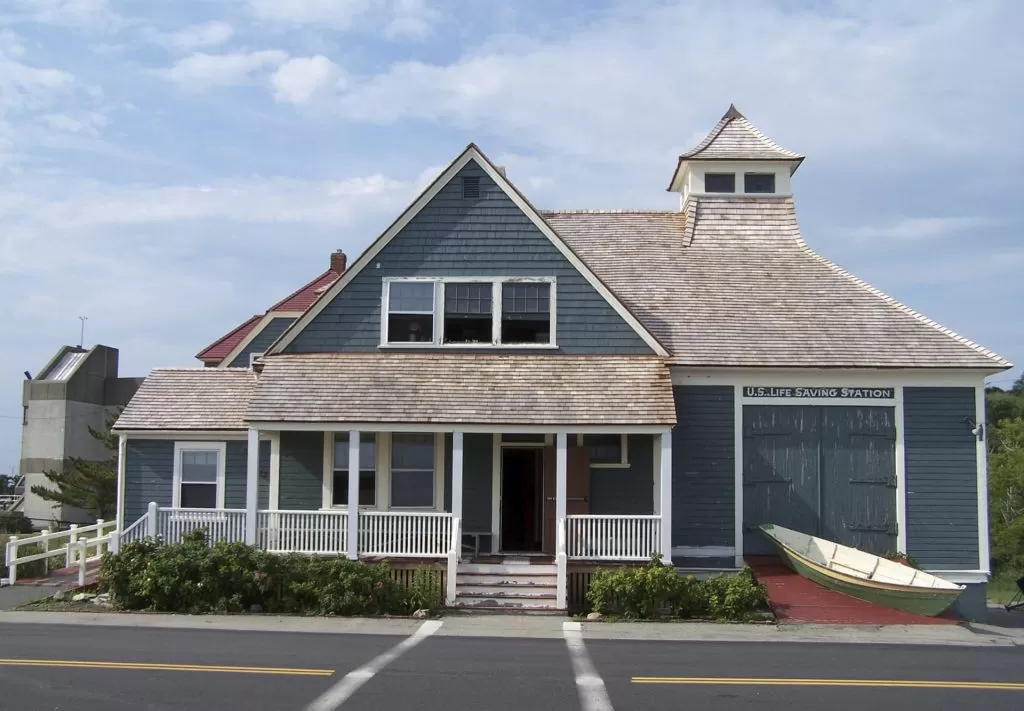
<point x="253" y="357"/>
<point x="623" y="463"/>
<point x="496" y="312"/>
<point x="221" y="448"/>
<point x="328" y="483"/>
<point x="439" y="472"/>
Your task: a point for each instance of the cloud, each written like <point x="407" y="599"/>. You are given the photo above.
<point x="69" y="13"/>
<point x="87" y="123"/>
<point x="201" y="71"/>
<point x="817" y="82"/>
<point x="297" y="80"/>
<point x="919" y="229"/>
<point x="401" y="18"/>
<point x="207" y="34"/>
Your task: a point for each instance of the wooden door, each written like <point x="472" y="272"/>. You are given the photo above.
<point x="577" y="489"/>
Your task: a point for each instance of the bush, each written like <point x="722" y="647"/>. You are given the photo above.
<point x="194" y="577"/>
<point x="655" y="590"/>
<point x="15" y="522"/>
<point x="425" y="591"/>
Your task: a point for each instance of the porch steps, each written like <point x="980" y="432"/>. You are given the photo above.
<point x="506" y="587"/>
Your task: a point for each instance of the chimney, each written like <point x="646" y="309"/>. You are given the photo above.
<point x="338" y="262"/>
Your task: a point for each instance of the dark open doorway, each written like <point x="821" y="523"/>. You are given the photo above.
<point x="522" y="499"/>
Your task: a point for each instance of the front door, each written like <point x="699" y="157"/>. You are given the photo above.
<point x="522" y="487"/>
<point x="577" y="490"/>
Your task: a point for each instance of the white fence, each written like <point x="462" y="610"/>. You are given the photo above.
<point x="79" y="545"/>
<point x="594" y="537"/>
<point x="220" y="524"/>
<point x="409" y="534"/>
<point x="315" y="532"/>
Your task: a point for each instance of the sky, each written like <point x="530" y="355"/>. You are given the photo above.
<point x="170" y="167"/>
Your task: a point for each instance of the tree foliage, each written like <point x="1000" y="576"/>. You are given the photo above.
<point x="1005" y="415"/>
<point x="88" y="485"/>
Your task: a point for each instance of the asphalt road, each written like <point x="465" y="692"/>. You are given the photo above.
<point x="80" y="668"/>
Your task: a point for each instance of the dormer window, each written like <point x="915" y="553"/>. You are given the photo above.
<point x="458" y="312"/>
<point x="719" y="182"/>
<point x="759" y="182"/>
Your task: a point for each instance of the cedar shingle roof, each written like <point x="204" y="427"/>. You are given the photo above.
<point x="730" y="282"/>
<point x="452" y="388"/>
<point x="735" y="138"/>
<point x="189" y="399"/>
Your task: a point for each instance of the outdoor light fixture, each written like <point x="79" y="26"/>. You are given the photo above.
<point x="977" y="428"/>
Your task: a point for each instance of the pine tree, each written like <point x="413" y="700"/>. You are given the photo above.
<point x="90" y="486"/>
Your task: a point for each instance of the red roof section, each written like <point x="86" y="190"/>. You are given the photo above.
<point x="219" y="349"/>
<point x="304" y="297"/>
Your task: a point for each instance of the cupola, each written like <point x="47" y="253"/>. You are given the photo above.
<point x="735" y="159"/>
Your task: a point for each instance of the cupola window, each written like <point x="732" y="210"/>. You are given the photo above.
<point x="719" y="182"/>
<point x="759" y="183"/>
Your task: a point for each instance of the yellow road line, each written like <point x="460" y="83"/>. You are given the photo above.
<point x="890" y="683"/>
<point x="163" y="667"/>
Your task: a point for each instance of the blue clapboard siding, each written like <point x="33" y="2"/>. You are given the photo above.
<point x="488" y="236"/>
<point x="235" y="474"/>
<point x="148" y="476"/>
<point x="261" y="342"/>
<point x="477" y="476"/>
<point x="302" y="466"/>
<point x="627" y="490"/>
<point x="942" y="477"/>
<point x="703" y="466"/>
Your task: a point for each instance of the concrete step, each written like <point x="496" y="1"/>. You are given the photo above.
<point x="508" y="569"/>
<point x="507" y="591"/>
<point x="503" y="579"/>
<point x="504" y="610"/>
<point x="504" y="601"/>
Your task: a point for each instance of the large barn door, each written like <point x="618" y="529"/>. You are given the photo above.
<point x="781" y="461"/>
<point x="858" y="477"/>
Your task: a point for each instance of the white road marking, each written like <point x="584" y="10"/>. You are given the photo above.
<point x="589" y="684"/>
<point x="340" y="692"/>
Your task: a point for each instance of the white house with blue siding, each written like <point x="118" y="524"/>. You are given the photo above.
<point x="519" y="394"/>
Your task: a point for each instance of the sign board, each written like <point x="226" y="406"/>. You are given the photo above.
<point x="845" y="393"/>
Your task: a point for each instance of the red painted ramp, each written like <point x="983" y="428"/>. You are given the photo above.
<point x="796" y="600"/>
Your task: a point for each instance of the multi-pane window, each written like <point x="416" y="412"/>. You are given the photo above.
<point x="719" y="182"/>
<point x="197" y="485"/>
<point x="468" y="312"/>
<point x="411" y="312"/>
<point x="606" y="449"/>
<point x="367" y="470"/>
<point x="526" y="312"/>
<point x="759" y="183"/>
<point x="412" y="470"/>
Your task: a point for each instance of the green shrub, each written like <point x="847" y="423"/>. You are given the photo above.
<point x="655" y="590"/>
<point x="15" y="522"/>
<point x="425" y="590"/>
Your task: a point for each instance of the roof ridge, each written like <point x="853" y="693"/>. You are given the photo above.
<point x="898" y="305"/>
<point x="197" y="369"/>
<point x="229" y="334"/>
<point x="609" y="211"/>
<point x="298" y="291"/>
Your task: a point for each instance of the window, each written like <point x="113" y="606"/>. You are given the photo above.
<point x="412" y="470"/>
<point x="460" y="311"/>
<point x="411" y="312"/>
<point x="606" y="450"/>
<point x="471" y="186"/>
<point x="468" y="312"/>
<point x="526" y="313"/>
<point x="367" y="470"/>
<point x="719" y="182"/>
<point x="759" y="183"/>
<point x="198" y="475"/>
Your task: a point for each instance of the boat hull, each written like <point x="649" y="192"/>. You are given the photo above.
<point x="922" y="601"/>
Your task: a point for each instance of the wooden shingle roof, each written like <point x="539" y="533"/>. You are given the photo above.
<point x="189" y="399"/>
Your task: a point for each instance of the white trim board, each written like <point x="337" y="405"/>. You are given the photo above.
<point x="257" y="329"/>
<point x="824" y="377"/>
<point x="474" y="428"/>
<point x="984" y="554"/>
<point x="471" y="153"/>
<point x="182" y="435"/>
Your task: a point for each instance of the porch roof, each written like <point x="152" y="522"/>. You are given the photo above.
<point x="189" y="399"/>
<point x="469" y="388"/>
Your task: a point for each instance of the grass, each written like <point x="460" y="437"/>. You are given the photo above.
<point x="1001" y="588"/>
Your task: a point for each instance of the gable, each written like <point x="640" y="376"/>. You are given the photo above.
<point x="262" y="340"/>
<point x="452" y="236"/>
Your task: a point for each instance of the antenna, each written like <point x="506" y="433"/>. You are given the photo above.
<point x="81" y="337"/>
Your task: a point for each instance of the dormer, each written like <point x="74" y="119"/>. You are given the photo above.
<point x="735" y="159"/>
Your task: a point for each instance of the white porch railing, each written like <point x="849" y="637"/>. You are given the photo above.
<point x="405" y="534"/>
<point x="79" y="545"/>
<point x="220" y="524"/>
<point x="593" y="537"/>
<point x="314" y="532"/>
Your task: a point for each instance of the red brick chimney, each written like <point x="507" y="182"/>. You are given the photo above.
<point x="338" y="262"/>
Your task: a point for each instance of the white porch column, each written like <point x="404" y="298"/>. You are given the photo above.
<point x="457" y="476"/>
<point x="665" y="496"/>
<point x="561" y="558"/>
<point x="353" y="494"/>
<point x="252" y="483"/>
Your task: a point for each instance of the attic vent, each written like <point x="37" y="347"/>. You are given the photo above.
<point x="471" y="186"/>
